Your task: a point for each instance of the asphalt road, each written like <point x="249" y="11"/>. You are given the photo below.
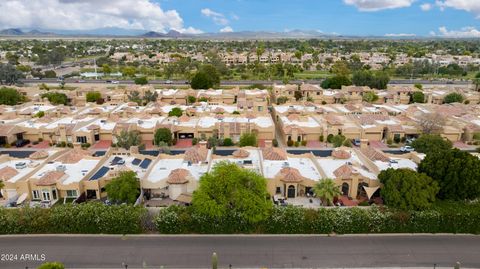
<point x="244" y="251"/>
<point x="235" y="83"/>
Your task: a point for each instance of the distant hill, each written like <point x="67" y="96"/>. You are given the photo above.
<point x="171" y="34"/>
<point x="12" y="31"/>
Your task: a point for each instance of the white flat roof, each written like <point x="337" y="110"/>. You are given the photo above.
<point x="75" y="172"/>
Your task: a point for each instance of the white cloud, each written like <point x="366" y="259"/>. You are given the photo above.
<point x="226" y="29"/>
<point x="472" y="6"/>
<point x="217" y="17"/>
<point x="465" y="32"/>
<point x="426" y="6"/>
<point x="375" y="5"/>
<point x="89" y="14"/>
<point x="400" y="35"/>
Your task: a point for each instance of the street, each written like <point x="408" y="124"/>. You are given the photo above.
<point x="296" y="251"/>
<point x="179" y="83"/>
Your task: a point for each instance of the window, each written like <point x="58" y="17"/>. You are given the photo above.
<point x="72" y="193"/>
<point x="36" y="195"/>
<point x="46" y="195"/>
<point x="260" y="108"/>
<point x="82" y="139"/>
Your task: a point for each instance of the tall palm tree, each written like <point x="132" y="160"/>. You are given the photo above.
<point x="326" y="190"/>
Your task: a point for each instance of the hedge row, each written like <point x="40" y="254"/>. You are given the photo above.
<point x="87" y="218"/>
<point x="294" y="220"/>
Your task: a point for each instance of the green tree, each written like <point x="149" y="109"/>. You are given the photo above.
<point x="298" y="95"/>
<point x="124" y="188"/>
<point x="326" y="191"/>
<point x="134" y="96"/>
<point x="129" y="71"/>
<point x="93" y="97"/>
<point x="191" y="99"/>
<point x="418" y="86"/>
<point x="56" y="98"/>
<point x="9" y="75"/>
<point x="175" y="112"/>
<point x="457" y="173"/>
<point x="407" y="190"/>
<point x="248" y="139"/>
<point x="50" y="74"/>
<point x="106" y="69"/>
<point x="150" y="96"/>
<point x="163" y="135"/>
<point x="476" y="81"/>
<point x="207" y="77"/>
<point x="52" y="265"/>
<point x="11" y="97"/>
<point x="141" y="81"/>
<point x="336" y="82"/>
<point x="418" y="97"/>
<point x="40" y="114"/>
<point x="126" y="139"/>
<point x="453" y="98"/>
<point x="338" y="140"/>
<point x="340" y="68"/>
<point x="428" y="143"/>
<point x="229" y="190"/>
<point x="370" y="97"/>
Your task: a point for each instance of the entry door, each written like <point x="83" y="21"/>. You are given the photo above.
<point x="291" y="191"/>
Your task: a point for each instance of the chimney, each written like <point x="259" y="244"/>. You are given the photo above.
<point x="203" y="144"/>
<point x="363" y="143"/>
<point x="77" y="145"/>
<point x="268" y="143"/>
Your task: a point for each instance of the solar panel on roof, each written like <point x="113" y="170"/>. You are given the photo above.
<point x="116" y="160"/>
<point x="100" y="173"/>
<point x="136" y="161"/>
<point x="145" y="163"/>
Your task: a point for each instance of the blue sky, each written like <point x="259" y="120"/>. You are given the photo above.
<point x="329" y="16"/>
<point x="448" y="18"/>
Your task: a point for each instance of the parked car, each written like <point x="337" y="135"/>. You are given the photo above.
<point x="168" y="82"/>
<point x="22" y="142"/>
<point x="356" y="142"/>
<point x="115" y="82"/>
<point x="406" y="149"/>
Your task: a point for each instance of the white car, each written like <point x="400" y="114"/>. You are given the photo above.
<point x="115" y="82"/>
<point x="407" y="149"/>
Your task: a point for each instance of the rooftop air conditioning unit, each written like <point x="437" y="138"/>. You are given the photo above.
<point x="61" y="168"/>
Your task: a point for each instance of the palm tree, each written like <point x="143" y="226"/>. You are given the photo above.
<point x="326" y="190"/>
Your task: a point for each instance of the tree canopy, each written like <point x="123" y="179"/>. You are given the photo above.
<point x="248" y="139"/>
<point x="124" y="188"/>
<point x="126" y="139"/>
<point x="11" y="97"/>
<point x="457" y="173"/>
<point x="141" y="81"/>
<point x="370" y="97"/>
<point x="418" y="97"/>
<point x="406" y="189"/>
<point x="428" y="143"/>
<point x="163" y="135"/>
<point x="56" y="98"/>
<point x="229" y="190"/>
<point x="453" y="98"/>
<point x="207" y="77"/>
<point x="93" y="97"/>
<point x="336" y="82"/>
<point x="377" y="80"/>
<point x="326" y="190"/>
<point x="175" y="112"/>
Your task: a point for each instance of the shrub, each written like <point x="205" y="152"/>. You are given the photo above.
<point x="389" y="141"/>
<point x="86" y="218"/>
<point x="329" y="138"/>
<point x="92" y="97"/>
<point x="290" y="143"/>
<point x="248" y="139"/>
<point x="304" y="143"/>
<point x="347" y="143"/>
<point x="275" y="143"/>
<point x="321" y="138"/>
<point x="297" y="144"/>
<point x="227" y="142"/>
<point x="86" y="145"/>
<point x="194" y="141"/>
